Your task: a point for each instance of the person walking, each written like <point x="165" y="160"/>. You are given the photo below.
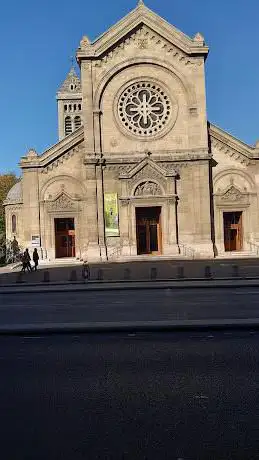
<point x="86" y="270"/>
<point x="24" y="263"/>
<point x="27" y="260"/>
<point x="35" y="257"/>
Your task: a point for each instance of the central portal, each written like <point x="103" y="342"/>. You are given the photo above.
<point x="65" y="238"/>
<point x="233" y="231"/>
<point x="148" y="226"/>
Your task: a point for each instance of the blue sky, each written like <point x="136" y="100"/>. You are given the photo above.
<point x="38" y="39"/>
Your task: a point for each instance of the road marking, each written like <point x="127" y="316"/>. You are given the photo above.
<point x="34" y="337"/>
<point x="35" y="305"/>
<point x="246" y="293"/>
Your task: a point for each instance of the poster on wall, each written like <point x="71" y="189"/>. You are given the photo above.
<point x="111" y="214"/>
<point x="35" y="241"/>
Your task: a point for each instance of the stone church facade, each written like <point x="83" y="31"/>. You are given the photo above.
<point x="138" y="169"/>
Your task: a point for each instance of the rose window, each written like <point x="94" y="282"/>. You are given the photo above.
<point x="144" y="109"/>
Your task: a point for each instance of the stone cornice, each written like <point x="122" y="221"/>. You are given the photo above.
<point x="231" y="146"/>
<point x="163" y="155"/>
<point x="13" y="203"/>
<point x="65" y="96"/>
<point x="54" y="152"/>
<point x="141" y="15"/>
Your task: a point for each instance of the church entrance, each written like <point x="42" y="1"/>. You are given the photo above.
<point x="148" y="226"/>
<point x="65" y="238"/>
<point x="233" y="231"/>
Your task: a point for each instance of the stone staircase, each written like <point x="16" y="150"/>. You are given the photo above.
<point x="246" y="254"/>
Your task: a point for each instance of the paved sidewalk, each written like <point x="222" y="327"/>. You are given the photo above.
<point x="130" y="285"/>
<point x="152" y="270"/>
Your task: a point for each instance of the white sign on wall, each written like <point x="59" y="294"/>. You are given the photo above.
<point x="35" y="241"/>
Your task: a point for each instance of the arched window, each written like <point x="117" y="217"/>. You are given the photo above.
<point x="14" y="223"/>
<point x="79" y="106"/>
<point x="77" y="122"/>
<point x="75" y="107"/>
<point x="65" y="107"/>
<point x="68" y="126"/>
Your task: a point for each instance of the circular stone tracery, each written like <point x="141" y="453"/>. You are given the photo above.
<point x="144" y="109"/>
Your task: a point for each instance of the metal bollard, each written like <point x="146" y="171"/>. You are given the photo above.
<point x="153" y="274"/>
<point x="46" y="276"/>
<point x="208" y="273"/>
<point x="235" y="271"/>
<point x="73" y="276"/>
<point x="127" y="274"/>
<point x="100" y="275"/>
<point x="180" y="272"/>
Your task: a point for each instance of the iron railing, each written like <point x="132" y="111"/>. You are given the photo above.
<point x="113" y="253"/>
<point x="187" y="251"/>
<point x="253" y="247"/>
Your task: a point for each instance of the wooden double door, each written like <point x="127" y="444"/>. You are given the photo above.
<point x="65" y="237"/>
<point x="233" y="231"/>
<point x="148" y="228"/>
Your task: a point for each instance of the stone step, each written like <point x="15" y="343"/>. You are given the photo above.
<point x="237" y="255"/>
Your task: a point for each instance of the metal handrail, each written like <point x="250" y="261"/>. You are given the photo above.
<point x="253" y="247"/>
<point x="187" y="251"/>
<point x="114" y="253"/>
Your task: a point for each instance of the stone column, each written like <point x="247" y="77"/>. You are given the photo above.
<point x="100" y="209"/>
<point x="124" y="227"/>
<point x="87" y="98"/>
<point x="170" y="239"/>
<point x="97" y="131"/>
<point x="31" y="211"/>
<point x="93" y="251"/>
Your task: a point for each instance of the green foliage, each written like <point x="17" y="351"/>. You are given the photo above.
<point x="6" y="183"/>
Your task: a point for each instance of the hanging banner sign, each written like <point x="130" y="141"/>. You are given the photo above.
<point x="111" y="214"/>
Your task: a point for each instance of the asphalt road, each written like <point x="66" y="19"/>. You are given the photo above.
<point x="189" y="396"/>
<point x="132" y="305"/>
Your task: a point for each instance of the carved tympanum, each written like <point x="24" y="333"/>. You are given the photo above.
<point x="233" y="194"/>
<point x="62" y="202"/>
<point x="148" y="189"/>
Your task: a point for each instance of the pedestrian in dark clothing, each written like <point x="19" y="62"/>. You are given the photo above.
<point x="27" y="260"/>
<point x="24" y="263"/>
<point x="35" y="257"/>
<point x="86" y="270"/>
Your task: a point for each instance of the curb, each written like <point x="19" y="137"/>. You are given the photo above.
<point x="136" y="326"/>
<point x="117" y="286"/>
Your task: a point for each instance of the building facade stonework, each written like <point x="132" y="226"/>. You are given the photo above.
<point x="138" y="169"/>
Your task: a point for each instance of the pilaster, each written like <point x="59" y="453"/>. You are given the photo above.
<point x="93" y="250"/>
<point x="100" y="209"/>
<point x="87" y="98"/>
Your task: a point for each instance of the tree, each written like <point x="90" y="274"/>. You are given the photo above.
<point x="6" y="183"/>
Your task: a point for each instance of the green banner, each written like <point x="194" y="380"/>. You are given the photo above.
<point x="111" y="214"/>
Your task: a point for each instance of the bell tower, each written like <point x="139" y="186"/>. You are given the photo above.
<point x="69" y="99"/>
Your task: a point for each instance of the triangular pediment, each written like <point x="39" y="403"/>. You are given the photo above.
<point x="223" y="142"/>
<point x="57" y="153"/>
<point x="62" y="201"/>
<point x="150" y="167"/>
<point x="136" y="19"/>
<point x="232" y="194"/>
